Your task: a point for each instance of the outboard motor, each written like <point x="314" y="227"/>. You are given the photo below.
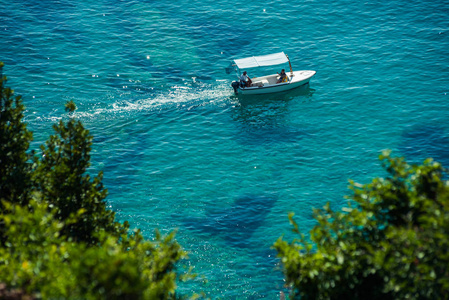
<point x="235" y="86"/>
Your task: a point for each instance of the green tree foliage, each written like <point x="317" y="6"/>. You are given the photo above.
<point x="60" y="178"/>
<point x="390" y="242"/>
<point x="14" y="143"/>
<point x="37" y="258"/>
<point x="59" y="240"/>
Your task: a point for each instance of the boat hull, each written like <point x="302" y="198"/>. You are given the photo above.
<point x="266" y="85"/>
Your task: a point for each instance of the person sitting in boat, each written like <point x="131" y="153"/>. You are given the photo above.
<point x="245" y="81"/>
<point x="282" y="77"/>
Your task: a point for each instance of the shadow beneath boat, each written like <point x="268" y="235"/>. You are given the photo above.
<point x="263" y="119"/>
<point x="303" y="92"/>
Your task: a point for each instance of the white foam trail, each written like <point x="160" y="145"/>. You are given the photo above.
<point x="177" y="96"/>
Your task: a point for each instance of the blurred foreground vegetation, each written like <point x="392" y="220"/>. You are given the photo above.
<point x="390" y="242"/>
<point x="58" y="240"/>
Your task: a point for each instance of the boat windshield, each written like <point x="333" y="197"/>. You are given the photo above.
<point x="261" y="61"/>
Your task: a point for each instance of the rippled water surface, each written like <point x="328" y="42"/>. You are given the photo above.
<point x="179" y="150"/>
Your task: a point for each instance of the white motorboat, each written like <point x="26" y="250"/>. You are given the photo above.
<point x="270" y="83"/>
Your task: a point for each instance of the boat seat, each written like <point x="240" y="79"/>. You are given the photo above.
<point x="272" y="80"/>
<point x="259" y="83"/>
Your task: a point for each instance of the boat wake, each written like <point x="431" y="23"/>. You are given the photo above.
<point x="186" y="96"/>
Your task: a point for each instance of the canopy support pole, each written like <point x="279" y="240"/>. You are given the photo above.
<point x="289" y="63"/>
<point x="237" y="71"/>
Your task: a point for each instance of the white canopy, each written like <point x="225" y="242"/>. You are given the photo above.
<point x="261" y="61"/>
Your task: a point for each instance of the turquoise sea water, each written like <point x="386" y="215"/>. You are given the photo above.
<point x="179" y="150"/>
